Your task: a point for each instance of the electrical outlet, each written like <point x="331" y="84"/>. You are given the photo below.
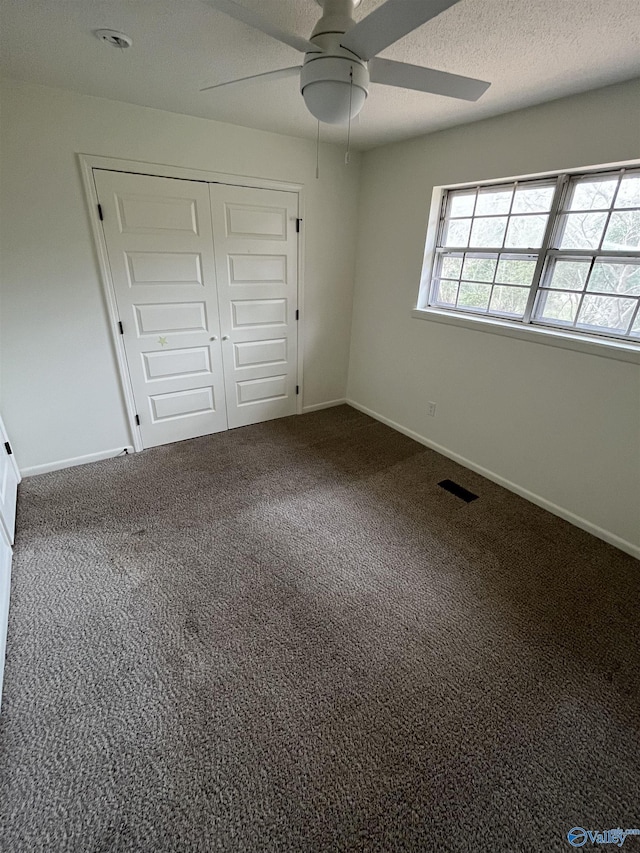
<point x="431" y="410"/>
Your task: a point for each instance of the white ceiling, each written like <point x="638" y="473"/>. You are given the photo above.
<point x="531" y="50"/>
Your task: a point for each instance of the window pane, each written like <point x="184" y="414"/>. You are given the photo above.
<point x="461" y="203"/>
<point x="474" y="295"/>
<point x="451" y="266"/>
<point x="612" y="276"/>
<point x="582" y="230"/>
<point x="533" y="199"/>
<point x="509" y="300"/>
<point x="445" y="292"/>
<point x="606" y="313"/>
<point x="558" y="307"/>
<point x="570" y="275"/>
<point x="488" y="232"/>
<point x="525" y="232"/>
<point x="512" y="271"/>
<point x="635" y="329"/>
<point x="593" y="193"/>
<point x="478" y="269"/>
<point x="623" y="231"/>
<point x="494" y="201"/>
<point x="629" y="192"/>
<point x="457" y="232"/>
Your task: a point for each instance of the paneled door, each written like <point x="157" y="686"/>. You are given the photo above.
<point x="160" y="250"/>
<point x="256" y="255"/>
<point x="9" y="479"/>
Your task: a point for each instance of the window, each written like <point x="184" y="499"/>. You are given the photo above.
<point x="560" y="252"/>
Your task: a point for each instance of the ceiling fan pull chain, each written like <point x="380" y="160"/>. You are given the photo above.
<point x="347" y="156"/>
<point x="318" y="152"/>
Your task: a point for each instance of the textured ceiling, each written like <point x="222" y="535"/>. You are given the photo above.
<point x="531" y="50"/>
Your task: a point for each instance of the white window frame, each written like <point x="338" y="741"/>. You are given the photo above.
<point x="528" y="328"/>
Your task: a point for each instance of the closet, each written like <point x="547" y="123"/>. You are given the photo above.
<point x="205" y="278"/>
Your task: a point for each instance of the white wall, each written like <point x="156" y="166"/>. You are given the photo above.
<point x="561" y="425"/>
<point x="61" y="397"/>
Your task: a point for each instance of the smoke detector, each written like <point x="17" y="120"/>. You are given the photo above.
<point x="114" y="38"/>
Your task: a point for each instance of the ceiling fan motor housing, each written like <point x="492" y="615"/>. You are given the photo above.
<point x="334" y="82"/>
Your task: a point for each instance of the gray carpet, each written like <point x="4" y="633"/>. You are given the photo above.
<point x="288" y="638"/>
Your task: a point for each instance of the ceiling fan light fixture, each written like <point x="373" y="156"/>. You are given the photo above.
<point x="329" y="101"/>
<point x="334" y="88"/>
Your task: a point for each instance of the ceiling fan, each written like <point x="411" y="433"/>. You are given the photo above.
<point x="341" y="56"/>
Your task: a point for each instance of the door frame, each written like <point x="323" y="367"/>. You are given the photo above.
<point x="89" y="162"/>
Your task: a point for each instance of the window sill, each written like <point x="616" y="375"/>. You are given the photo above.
<point x="565" y="340"/>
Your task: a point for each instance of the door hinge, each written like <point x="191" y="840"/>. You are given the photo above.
<point x="137" y="420"/>
<point x="297" y="389"/>
<point x="7" y="447"/>
<point x="100" y="213"/>
<point x="297" y="314"/>
<point x="121" y="327"/>
<point x="298" y="221"/>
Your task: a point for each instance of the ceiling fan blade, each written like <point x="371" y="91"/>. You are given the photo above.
<point x="279" y="74"/>
<point x="426" y="80"/>
<point x="390" y="22"/>
<point x="252" y="19"/>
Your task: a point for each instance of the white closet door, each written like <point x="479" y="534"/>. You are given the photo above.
<point x="256" y="253"/>
<point x="9" y="479"/>
<point x="159" y="244"/>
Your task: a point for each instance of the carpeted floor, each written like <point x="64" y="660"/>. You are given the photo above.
<point x="287" y="638"/>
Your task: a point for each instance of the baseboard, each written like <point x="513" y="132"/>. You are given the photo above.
<point x="328" y="404"/>
<point x="71" y="463"/>
<point x="567" y="515"/>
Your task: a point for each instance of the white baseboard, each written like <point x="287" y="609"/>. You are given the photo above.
<point x="76" y="460"/>
<point x="328" y="404"/>
<point x="567" y="515"/>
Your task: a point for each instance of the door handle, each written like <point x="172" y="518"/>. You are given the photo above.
<point x="225" y="337"/>
<point x="214" y="338"/>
